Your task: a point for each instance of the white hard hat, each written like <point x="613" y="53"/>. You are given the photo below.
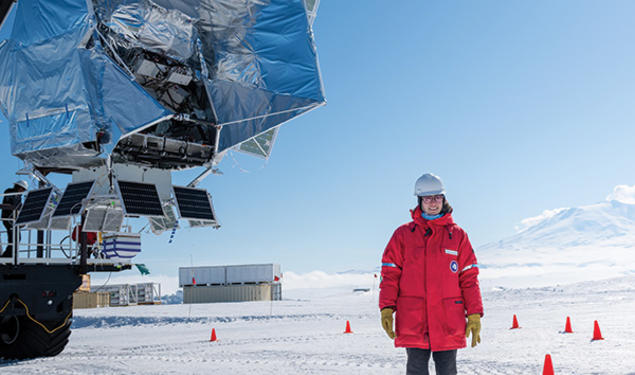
<point x="23" y="184"/>
<point x="429" y="184"/>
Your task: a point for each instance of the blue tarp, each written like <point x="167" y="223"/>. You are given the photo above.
<point x="59" y="87"/>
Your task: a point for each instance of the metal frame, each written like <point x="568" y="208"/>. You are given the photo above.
<point x="203" y="175"/>
<point x="23" y="256"/>
<point x="309" y="108"/>
<point x="129" y="294"/>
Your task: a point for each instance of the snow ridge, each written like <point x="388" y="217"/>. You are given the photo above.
<point x="114" y="321"/>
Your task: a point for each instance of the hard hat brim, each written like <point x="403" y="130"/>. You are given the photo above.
<point x="427" y="193"/>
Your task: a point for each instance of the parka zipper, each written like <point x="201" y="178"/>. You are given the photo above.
<point x="425" y="285"/>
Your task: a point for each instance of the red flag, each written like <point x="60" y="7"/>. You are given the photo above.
<point x="276" y="278"/>
<point x="193" y="281"/>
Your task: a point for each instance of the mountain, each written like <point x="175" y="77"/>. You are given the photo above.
<point x="603" y="223"/>
<point x="564" y="245"/>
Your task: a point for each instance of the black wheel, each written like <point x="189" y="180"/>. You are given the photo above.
<point x="33" y="341"/>
<point x="9" y="329"/>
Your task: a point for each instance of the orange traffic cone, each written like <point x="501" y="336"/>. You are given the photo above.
<point x="597" y="335"/>
<point x="567" y="326"/>
<point x="213" y="338"/>
<point x="548" y="367"/>
<point x="515" y="323"/>
<point x="348" y="327"/>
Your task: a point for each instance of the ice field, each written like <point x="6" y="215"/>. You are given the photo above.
<point x="536" y="274"/>
<point x="303" y="334"/>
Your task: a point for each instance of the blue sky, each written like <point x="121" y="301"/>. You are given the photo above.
<point x="518" y="106"/>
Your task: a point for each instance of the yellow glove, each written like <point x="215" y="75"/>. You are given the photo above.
<point x="386" y="321"/>
<point x="474" y="326"/>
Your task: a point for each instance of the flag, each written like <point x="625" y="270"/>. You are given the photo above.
<point x="193" y="281"/>
<point x="276" y="278"/>
<point x="142" y="269"/>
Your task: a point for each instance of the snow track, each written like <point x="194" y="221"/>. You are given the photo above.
<point x="306" y="336"/>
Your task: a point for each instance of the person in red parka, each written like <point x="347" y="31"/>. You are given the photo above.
<point x="430" y="280"/>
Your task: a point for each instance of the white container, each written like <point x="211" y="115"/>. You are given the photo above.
<point x="252" y="273"/>
<point x="201" y="276"/>
<point x="122" y="246"/>
<point x="227" y="275"/>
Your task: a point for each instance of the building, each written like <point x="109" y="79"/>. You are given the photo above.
<point x="238" y="283"/>
<point x="132" y="294"/>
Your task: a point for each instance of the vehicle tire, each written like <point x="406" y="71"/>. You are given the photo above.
<point x="33" y="341"/>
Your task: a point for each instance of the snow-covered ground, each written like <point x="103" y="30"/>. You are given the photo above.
<point x="303" y="334"/>
<point x="552" y="253"/>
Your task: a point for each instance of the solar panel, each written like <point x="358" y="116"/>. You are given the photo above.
<point x="103" y="219"/>
<point x="44" y="222"/>
<point x="34" y="205"/>
<point x="71" y="203"/>
<point x="194" y="204"/>
<point x="113" y="220"/>
<point x="94" y="219"/>
<point x="140" y="199"/>
<point x="159" y="225"/>
<point x="60" y="223"/>
<point x="103" y="215"/>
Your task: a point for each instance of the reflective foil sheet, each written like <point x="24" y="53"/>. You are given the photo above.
<point x="81" y="76"/>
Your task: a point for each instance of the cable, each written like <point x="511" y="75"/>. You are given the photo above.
<point x="106" y="282"/>
<point x="62" y="247"/>
<point x="28" y="314"/>
<point x="5" y="305"/>
<point x="49" y="331"/>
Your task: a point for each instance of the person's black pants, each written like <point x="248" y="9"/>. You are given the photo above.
<point x="8" y="252"/>
<point x="444" y="362"/>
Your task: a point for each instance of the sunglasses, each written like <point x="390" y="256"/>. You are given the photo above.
<point x="433" y="198"/>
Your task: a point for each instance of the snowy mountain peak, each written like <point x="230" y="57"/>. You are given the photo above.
<point x="611" y="222"/>
<point x="567" y="244"/>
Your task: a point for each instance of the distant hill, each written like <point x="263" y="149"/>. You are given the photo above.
<point x="564" y="245"/>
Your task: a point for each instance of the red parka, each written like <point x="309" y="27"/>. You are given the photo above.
<point x="429" y="274"/>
